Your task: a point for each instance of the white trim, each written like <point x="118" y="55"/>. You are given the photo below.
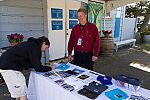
<point x="45" y="27"/>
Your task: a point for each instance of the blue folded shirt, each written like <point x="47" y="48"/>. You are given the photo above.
<point x="62" y="66"/>
<point x="105" y="80"/>
<point x="116" y="94"/>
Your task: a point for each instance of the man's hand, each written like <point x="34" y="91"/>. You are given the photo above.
<point x="94" y="58"/>
<point x="69" y="58"/>
<point x="53" y="67"/>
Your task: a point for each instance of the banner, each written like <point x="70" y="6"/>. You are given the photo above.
<point x="95" y="14"/>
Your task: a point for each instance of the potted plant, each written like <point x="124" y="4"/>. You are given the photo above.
<point x="107" y="33"/>
<point x="107" y="43"/>
<point x="146" y="37"/>
<point x="15" y="38"/>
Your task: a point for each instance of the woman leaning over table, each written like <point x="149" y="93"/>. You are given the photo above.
<point x="22" y="56"/>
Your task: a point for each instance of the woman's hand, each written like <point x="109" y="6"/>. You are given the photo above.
<point x="53" y="67"/>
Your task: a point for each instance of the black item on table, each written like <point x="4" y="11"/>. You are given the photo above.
<point x="95" y="87"/>
<point x="88" y="93"/>
<point x="83" y="76"/>
<point x="71" y="72"/>
<point x="93" y="90"/>
<point x="129" y="80"/>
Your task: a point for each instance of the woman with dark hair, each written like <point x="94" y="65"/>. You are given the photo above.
<point x="22" y="56"/>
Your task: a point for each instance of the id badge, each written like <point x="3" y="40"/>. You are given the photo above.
<point x="79" y="41"/>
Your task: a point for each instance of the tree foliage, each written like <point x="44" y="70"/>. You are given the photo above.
<point x="141" y="11"/>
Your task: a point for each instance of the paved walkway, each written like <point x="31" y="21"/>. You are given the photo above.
<point x="119" y="63"/>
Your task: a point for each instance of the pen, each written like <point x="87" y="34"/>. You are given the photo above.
<point x="93" y="73"/>
<point x="57" y="74"/>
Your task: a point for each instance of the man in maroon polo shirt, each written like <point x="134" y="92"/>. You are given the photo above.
<point x="85" y="41"/>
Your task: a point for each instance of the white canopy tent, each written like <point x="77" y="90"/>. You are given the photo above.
<point x="110" y="5"/>
<point x="113" y="4"/>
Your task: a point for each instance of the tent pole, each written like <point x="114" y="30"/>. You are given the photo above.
<point x="105" y="12"/>
<point x="104" y="20"/>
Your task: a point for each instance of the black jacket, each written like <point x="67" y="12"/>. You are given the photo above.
<point x="23" y="56"/>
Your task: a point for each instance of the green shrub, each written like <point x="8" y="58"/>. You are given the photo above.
<point x="146" y="33"/>
<point x="142" y="35"/>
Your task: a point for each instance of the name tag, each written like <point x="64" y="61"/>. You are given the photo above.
<point x="79" y="41"/>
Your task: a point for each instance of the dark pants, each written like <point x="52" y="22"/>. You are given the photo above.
<point x="83" y="60"/>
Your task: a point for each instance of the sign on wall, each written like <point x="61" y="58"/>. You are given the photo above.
<point x="72" y="14"/>
<point x="56" y="13"/>
<point x="57" y="25"/>
<point x="72" y="23"/>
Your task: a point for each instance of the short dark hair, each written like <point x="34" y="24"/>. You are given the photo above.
<point x="82" y="10"/>
<point x="44" y="39"/>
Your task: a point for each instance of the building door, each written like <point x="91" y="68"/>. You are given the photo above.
<point x="56" y="28"/>
<point x="117" y="23"/>
<point x="61" y="18"/>
<point x="71" y="20"/>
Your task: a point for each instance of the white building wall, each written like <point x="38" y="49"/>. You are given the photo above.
<point x="110" y="25"/>
<point x="127" y="25"/>
<point x="21" y="16"/>
<point x="122" y="25"/>
<point x="129" y="28"/>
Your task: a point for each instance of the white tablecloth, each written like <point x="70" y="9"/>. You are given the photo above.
<point x="43" y="88"/>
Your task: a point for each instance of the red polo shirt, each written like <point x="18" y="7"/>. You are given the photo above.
<point x="84" y="39"/>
